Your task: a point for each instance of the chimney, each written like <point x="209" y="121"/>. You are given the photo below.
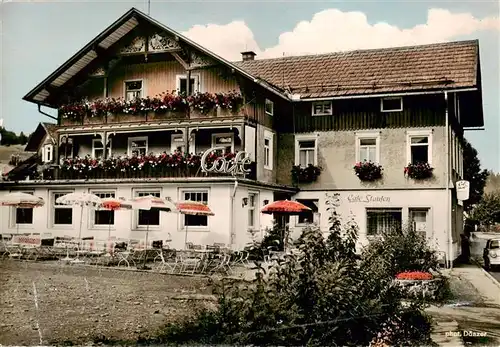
<point x="248" y="55"/>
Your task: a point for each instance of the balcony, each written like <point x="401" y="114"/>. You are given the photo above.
<point x="164" y="107"/>
<point x="173" y="165"/>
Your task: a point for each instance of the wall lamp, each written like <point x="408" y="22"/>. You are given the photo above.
<point x="266" y="202"/>
<point x="244" y="202"/>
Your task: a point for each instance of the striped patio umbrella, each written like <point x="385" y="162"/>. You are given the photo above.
<point x="21" y="200"/>
<point x="194" y="208"/>
<point x="82" y="200"/>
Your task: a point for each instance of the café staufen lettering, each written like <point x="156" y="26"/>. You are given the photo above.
<point x="367" y="198"/>
<point x="236" y="166"/>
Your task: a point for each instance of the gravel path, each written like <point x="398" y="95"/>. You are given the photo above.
<point x="46" y="303"/>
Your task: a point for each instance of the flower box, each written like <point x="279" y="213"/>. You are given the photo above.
<point x="126" y="118"/>
<point x="202" y="105"/>
<point x="368" y="171"/>
<point x="70" y="121"/>
<point x="305" y="174"/>
<point x="419" y="171"/>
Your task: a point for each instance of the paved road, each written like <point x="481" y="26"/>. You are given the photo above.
<point x="495" y="274"/>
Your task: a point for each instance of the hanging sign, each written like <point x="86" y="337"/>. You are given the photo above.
<point x="463" y="188"/>
<point x="235" y="166"/>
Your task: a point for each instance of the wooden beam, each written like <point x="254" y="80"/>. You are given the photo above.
<point x="180" y="60"/>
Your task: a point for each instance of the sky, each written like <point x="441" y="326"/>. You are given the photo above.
<point x="37" y="36"/>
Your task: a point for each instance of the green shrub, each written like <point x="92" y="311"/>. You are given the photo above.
<point x="322" y="295"/>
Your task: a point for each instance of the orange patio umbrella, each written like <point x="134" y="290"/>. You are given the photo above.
<point x="194" y="208"/>
<point x="284" y="208"/>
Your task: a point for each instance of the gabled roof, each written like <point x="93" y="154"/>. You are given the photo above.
<point x="105" y="40"/>
<point x="38" y="135"/>
<point x="450" y="65"/>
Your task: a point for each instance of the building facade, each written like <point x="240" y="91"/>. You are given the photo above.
<point x="139" y="104"/>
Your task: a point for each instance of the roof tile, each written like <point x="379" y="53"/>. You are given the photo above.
<point x="435" y="66"/>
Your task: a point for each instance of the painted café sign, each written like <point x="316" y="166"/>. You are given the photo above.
<point x="239" y="165"/>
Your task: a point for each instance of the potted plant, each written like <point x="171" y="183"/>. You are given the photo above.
<point x="306" y="174"/>
<point x="418" y="171"/>
<point x="368" y="171"/>
<point x="419" y="284"/>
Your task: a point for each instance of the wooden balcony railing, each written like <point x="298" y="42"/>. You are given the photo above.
<point x="58" y="173"/>
<point x="150" y="117"/>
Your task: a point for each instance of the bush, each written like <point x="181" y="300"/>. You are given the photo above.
<point x="322" y="295"/>
<point x="399" y="250"/>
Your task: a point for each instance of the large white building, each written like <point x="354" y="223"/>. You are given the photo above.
<point x="304" y="123"/>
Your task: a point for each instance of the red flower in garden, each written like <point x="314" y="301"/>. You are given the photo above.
<point x="414" y="275"/>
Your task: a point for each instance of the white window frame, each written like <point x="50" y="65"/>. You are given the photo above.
<point x="143" y="89"/>
<point x="231" y="135"/>
<point x="301" y="138"/>
<point x="329" y="113"/>
<point x="256" y="222"/>
<point x="135" y="194"/>
<point x="427" y="211"/>
<point x="381" y="210"/>
<point x="391" y="110"/>
<point x="316" y="216"/>
<point x="173" y="145"/>
<point x="268" y="164"/>
<point x="92" y="212"/>
<point x="366" y="136"/>
<point x="13" y="214"/>
<point x="48" y="153"/>
<point x="270" y="102"/>
<point x="53" y="208"/>
<point x="182" y="191"/>
<point x="137" y="138"/>
<point x="94" y="141"/>
<point x="419" y="133"/>
<point x="195" y="77"/>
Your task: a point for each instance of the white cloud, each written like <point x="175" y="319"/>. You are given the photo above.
<point x="333" y="30"/>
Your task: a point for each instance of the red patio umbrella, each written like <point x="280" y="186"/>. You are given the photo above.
<point x="194" y="208"/>
<point x="285" y="208"/>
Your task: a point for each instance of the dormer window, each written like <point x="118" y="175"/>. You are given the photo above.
<point x="322" y="108"/>
<point x="181" y="84"/>
<point x="133" y="90"/>
<point x="391" y="104"/>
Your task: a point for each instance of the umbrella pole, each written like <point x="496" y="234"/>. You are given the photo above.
<point x="109" y="234"/>
<point x="146" y="246"/>
<point x="186" y="237"/>
<point x="80" y="232"/>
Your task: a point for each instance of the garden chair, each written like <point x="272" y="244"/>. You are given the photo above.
<point x="189" y="260"/>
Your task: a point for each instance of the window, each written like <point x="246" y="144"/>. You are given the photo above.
<point x="224" y="140"/>
<point x="133" y="90"/>
<point x="368" y="147"/>
<point x="269" y="107"/>
<point x="391" y="104"/>
<point x="63" y="214"/>
<point x="177" y="143"/>
<point x="138" y="146"/>
<point x="98" y="149"/>
<point x="418" y="218"/>
<point x="182" y="84"/>
<point x="253" y="200"/>
<point x="47" y="153"/>
<point x="419" y="147"/>
<point x="308" y="217"/>
<point x="148" y="217"/>
<point x="322" y="108"/>
<point x="268" y="150"/>
<point x="305" y="151"/>
<point x="104" y="217"/>
<point x="196" y="195"/>
<point x="380" y="220"/>
<point x="23" y="216"/>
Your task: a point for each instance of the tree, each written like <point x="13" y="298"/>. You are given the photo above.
<point x="487" y="212"/>
<point x="473" y="174"/>
<point x="492" y="183"/>
<point x="22" y="139"/>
